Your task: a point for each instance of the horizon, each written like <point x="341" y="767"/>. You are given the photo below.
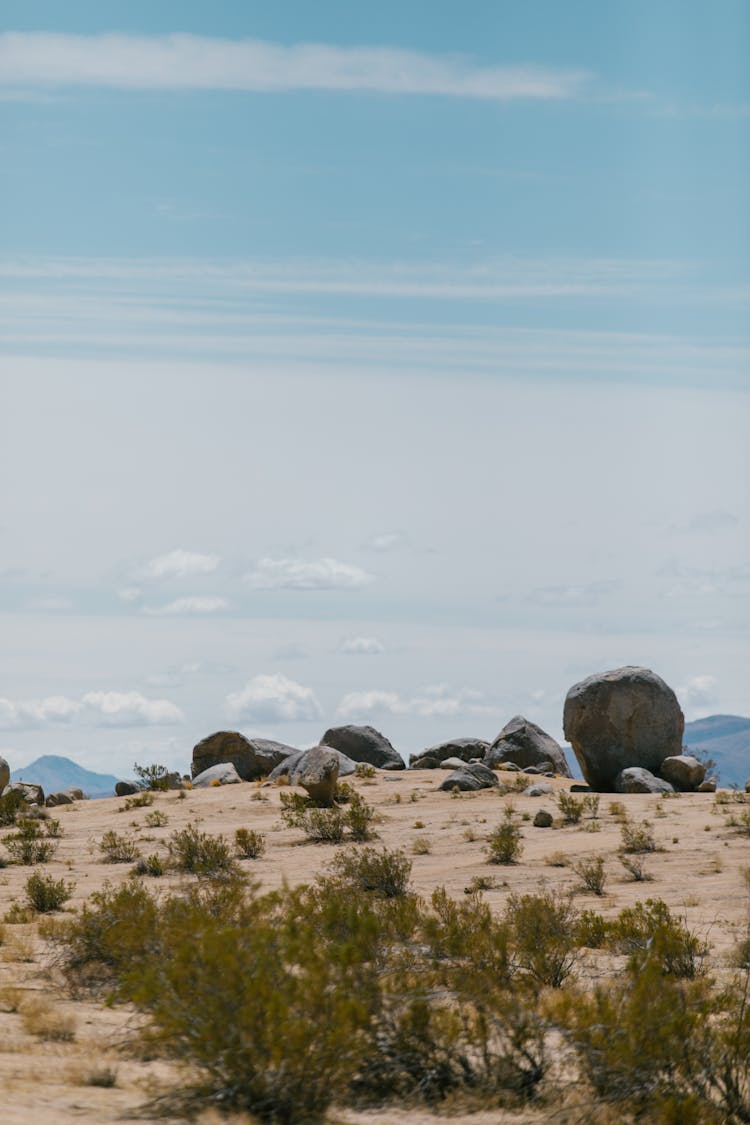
<point x="379" y="367"/>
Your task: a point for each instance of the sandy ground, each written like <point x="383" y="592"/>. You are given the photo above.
<point x="698" y="872"/>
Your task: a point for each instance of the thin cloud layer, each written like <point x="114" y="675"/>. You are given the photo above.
<point x="192" y="62"/>
<point x="432" y="702"/>
<point x="188" y="606"/>
<point x="298" y="574"/>
<point x="177" y="564"/>
<point x="273" y="698"/>
<point x="362" y="646"/>
<point x="98" y="708"/>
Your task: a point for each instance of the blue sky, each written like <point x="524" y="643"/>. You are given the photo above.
<point x="378" y="362"/>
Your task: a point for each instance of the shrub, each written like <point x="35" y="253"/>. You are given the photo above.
<point x="11" y="805"/>
<point x="156" y="819"/>
<point x="139" y="801"/>
<point x="29" y="846"/>
<point x="198" y="853"/>
<point x="154" y="778"/>
<point x="384" y="873"/>
<point x="149" y="865"/>
<point x="359" y="817"/>
<point x="324" y="826"/>
<point x="635" y="866"/>
<point x="591" y="805"/>
<point x="590" y="870"/>
<point x="116" y="848"/>
<point x="421" y="846"/>
<point x="649" y="933"/>
<point x="249" y="844"/>
<point x="504" y="842"/>
<point x="570" y="807"/>
<point x="364" y="770"/>
<point x="45" y="1020"/>
<point x="637" y="838"/>
<point x="544" y="931"/>
<point x="45" y="894"/>
<point x="592" y="930"/>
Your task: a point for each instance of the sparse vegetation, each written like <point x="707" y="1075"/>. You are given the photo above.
<point x="383" y="873"/>
<point x="45" y="894"/>
<point x="364" y="770"/>
<point x="30" y="844"/>
<point x="156" y="819"/>
<point x="504" y="842"/>
<point x="250" y="844"/>
<point x="570" y="807"/>
<point x="590" y="870"/>
<point x="637" y="838"/>
<point x="153" y="778"/>
<point x="116" y="848"/>
<point x="198" y="853"/>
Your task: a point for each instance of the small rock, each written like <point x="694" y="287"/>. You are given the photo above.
<point x="470" y="778"/>
<point x="707" y="786"/>
<point x="635" y="779"/>
<point x="453" y="764"/>
<point x="319" y="775"/>
<point x="543" y="819"/>
<point x="510" y="767"/>
<point x="126" y="788"/>
<point x="76" y="793"/>
<point x="683" y="771"/>
<point x="55" y="799"/>
<point x="539" y="789"/>
<point x="223" y="773"/>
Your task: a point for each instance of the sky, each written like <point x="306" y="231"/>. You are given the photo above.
<point x="367" y="363"/>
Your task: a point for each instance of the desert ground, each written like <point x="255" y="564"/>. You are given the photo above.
<point x="697" y="871"/>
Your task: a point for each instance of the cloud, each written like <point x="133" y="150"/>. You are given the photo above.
<point x="432" y="702"/>
<point x="362" y="646"/>
<point x="98" y="708"/>
<point x="699" y="691"/>
<point x="51" y="604"/>
<point x="717" y="520"/>
<point x="587" y="594"/>
<point x="184" y="607"/>
<point x="273" y="698"/>
<point x="191" y="62"/>
<point x="385" y="542"/>
<point x="177" y="564"/>
<point x="296" y="574"/>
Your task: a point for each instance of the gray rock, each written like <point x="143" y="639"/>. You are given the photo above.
<point x="543" y="819"/>
<point x="126" y="788"/>
<point x="223" y="773"/>
<point x="292" y="766"/>
<point x="452" y="764"/>
<point x="545" y="769"/>
<point x="708" y="786"/>
<point x="4" y="774"/>
<point x="469" y="778"/>
<point x="76" y="793"/>
<point x="251" y="757"/>
<point x="363" y="744"/>
<point x="539" y="789"/>
<point x="526" y="744"/>
<point x="55" y="799"/>
<point x="683" y="771"/>
<point x="510" y="767"/>
<point x="635" y="779"/>
<point x="319" y="775"/>
<point x="34" y="794"/>
<point x="614" y="720"/>
<point x="463" y="748"/>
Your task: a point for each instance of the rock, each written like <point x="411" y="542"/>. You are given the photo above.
<point x="76" y="793"/>
<point x="511" y="767"/>
<point x="576" y="787"/>
<point x="223" y="773"/>
<point x="545" y="769"/>
<point x="55" y="799"/>
<point x="452" y="764"/>
<point x="708" y="786"/>
<point x="463" y="748"/>
<point x="363" y="744"/>
<point x="747" y="785"/>
<point x="319" y="774"/>
<point x="635" y="779"/>
<point x="174" y="780"/>
<point x="539" y="789"/>
<point x="683" y="771"/>
<point x="251" y="757"/>
<point x="615" y="720"/>
<point x="126" y="788"/>
<point x="4" y="774"/>
<point x="543" y="819"/>
<point x="292" y="766"/>
<point x="469" y="778"/>
<point x="34" y="794"/>
<point x="526" y="744"/>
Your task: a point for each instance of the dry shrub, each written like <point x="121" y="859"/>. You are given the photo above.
<point x="42" y="1018"/>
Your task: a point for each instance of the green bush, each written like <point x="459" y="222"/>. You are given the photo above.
<point x="359" y="818"/>
<point x="198" y="853"/>
<point x="544" y="933"/>
<point x="637" y="838"/>
<point x="384" y="873"/>
<point x="249" y="844"/>
<point x="156" y="819"/>
<point x="590" y="870"/>
<point x="364" y="770"/>
<point x="149" y="865"/>
<point x="11" y="805"/>
<point x="651" y="935"/>
<point x="45" y="894"/>
<point x="154" y="778"/>
<point x="30" y="844"/>
<point x="116" y="848"/>
<point x="570" y="807"/>
<point x="504" y="842"/>
<point x="139" y="801"/>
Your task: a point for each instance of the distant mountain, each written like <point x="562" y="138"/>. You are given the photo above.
<point x="54" y="773"/>
<point x="726" y="739"/>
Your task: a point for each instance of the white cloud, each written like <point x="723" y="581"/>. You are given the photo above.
<point x="385" y="542"/>
<point x="129" y="594"/>
<point x="699" y="692"/>
<point x="296" y="574"/>
<point x="107" y="708"/>
<point x="187" y="606"/>
<point x="177" y="564"/>
<point x="362" y="646"/>
<point x="433" y="702"/>
<point x="190" y="62"/>
<point x="587" y="594"/>
<point x="273" y="698"/>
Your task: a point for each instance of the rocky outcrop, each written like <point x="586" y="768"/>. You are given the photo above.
<point x="470" y="777"/>
<point x="56" y="799"/>
<point x="293" y="766"/>
<point x="635" y="779"/>
<point x="525" y="744"/>
<point x="223" y="773"/>
<point x="251" y="757"/>
<point x="363" y="744"/>
<point x="33" y="794"/>
<point x="4" y="774"/>
<point x="319" y="774"/>
<point x="463" y="748"/>
<point x="683" y="771"/>
<point x="625" y="718"/>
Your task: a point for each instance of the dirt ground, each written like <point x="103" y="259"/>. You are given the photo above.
<point x="86" y="1076"/>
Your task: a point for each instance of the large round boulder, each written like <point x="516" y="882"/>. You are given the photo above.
<point x="635" y="779"/>
<point x="525" y="744"/>
<point x="251" y="757"/>
<point x="363" y="744"/>
<point x="434" y="756"/>
<point x="4" y="774"/>
<point x="319" y="775"/>
<point x="615" y="720"/>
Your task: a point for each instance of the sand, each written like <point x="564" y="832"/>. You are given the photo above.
<point x="697" y="871"/>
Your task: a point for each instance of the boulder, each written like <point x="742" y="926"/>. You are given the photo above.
<point x="452" y="764"/>
<point x="34" y="794"/>
<point x="747" y="785"/>
<point x="526" y="744"/>
<point x="223" y="773"/>
<point x="4" y="774"/>
<point x="469" y="778"/>
<point x="577" y="787"/>
<point x="363" y="744"/>
<point x="545" y="769"/>
<point x="319" y="774"/>
<point x="251" y="757"/>
<point x="55" y="799"/>
<point x="76" y="793"/>
<point x="126" y="788"/>
<point x="543" y="819"/>
<point x="683" y="771"/>
<point x="292" y="766"/>
<point x="635" y="779"/>
<point x="538" y="789"/>
<point x="708" y="786"/>
<point x="615" y="720"/>
<point x="463" y="748"/>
